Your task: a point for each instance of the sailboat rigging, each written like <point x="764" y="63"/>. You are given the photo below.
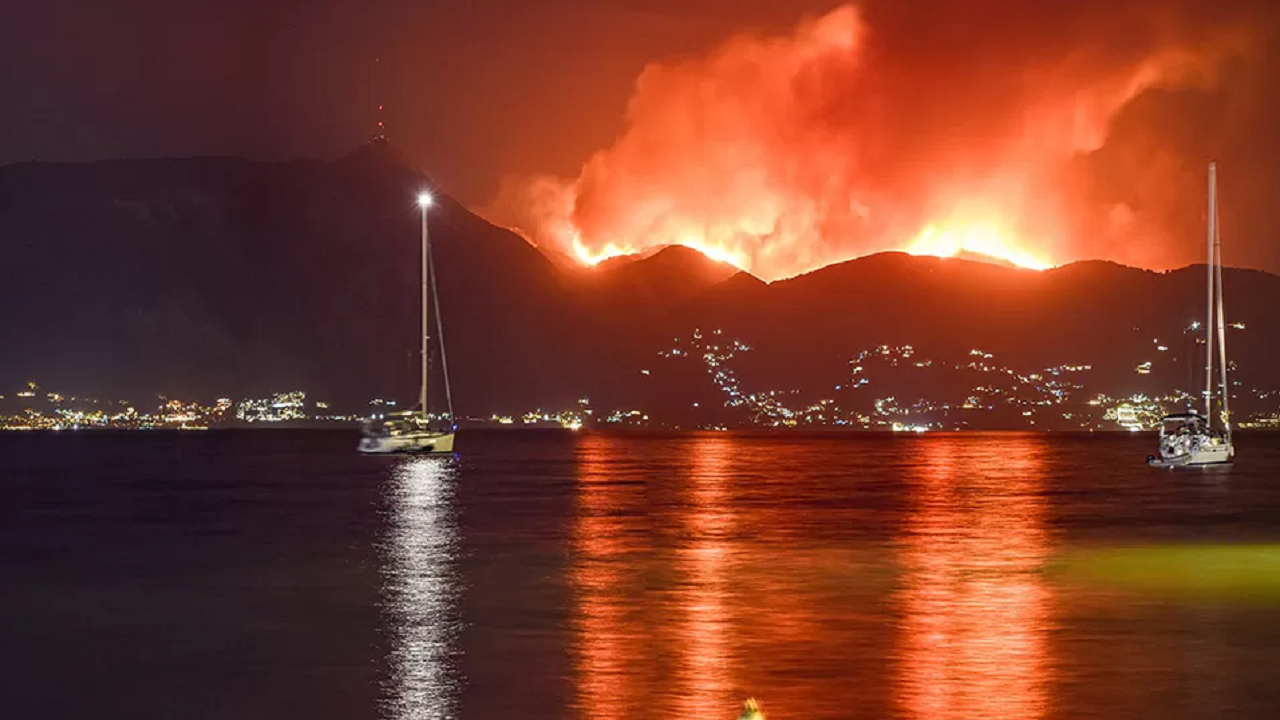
<point x="1188" y="439"/>
<point x="412" y="431"/>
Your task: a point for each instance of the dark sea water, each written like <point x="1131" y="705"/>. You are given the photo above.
<point x="548" y="574"/>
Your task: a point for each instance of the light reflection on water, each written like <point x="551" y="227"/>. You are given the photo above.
<point x="703" y="677"/>
<point x="975" y="608"/>
<point x="695" y="587"/>
<point x="611" y="576"/>
<point x="609" y="642"/>
<point x="421" y="589"/>
<point x="888" y="578"/>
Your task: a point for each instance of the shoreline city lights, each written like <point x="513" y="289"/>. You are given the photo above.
<point x="879" y="388"/>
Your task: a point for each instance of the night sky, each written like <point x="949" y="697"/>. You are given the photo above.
<point x="473" y="90"/>
<point x="483" y="90"/>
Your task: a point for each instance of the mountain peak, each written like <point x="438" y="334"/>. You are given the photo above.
<point x="679" y="258"/>
<point x="378" y="152"/>
<point x="974" y="256"/>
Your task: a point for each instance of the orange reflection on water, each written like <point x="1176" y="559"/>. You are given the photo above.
<point x="689" y="594"/>
<point x="610" y="649"/>
<point x="652" y="579"/>
<point x="975" y="610"/>
<point x="704" y="672"/>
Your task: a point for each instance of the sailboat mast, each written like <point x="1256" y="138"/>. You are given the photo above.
<point x="1208" y="325"/>
<point x="426" y="325"/>
<point x="1222" y="317"/>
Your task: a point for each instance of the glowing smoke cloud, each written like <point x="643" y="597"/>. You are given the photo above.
<point x="784" y="154"/>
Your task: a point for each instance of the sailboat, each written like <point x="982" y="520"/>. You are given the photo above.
<point x="1189" y="439"/>
<point x="412" y="431"/>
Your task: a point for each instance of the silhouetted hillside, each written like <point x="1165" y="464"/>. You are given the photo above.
<point x="212" y="276"/>
<point x="215" y="275"/>
<point x="803" y="331"/>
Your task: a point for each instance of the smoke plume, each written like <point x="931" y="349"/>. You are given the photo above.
<point x="1038" y="133"/>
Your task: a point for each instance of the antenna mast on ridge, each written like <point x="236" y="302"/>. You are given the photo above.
<point x="382" y="128"/>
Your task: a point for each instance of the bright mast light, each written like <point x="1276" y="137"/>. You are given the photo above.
<point x="424" y="200"/>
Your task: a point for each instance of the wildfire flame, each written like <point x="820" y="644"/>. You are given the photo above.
<point x="780" y="155"/>
<point x="587" y="256"/>
<point x="985" y="240"/>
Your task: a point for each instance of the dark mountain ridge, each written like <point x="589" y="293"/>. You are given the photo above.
<point x="220" y="276"/>
<point x="217" y="276"/>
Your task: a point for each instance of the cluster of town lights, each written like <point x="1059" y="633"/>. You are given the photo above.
<point x="877" y="391"/>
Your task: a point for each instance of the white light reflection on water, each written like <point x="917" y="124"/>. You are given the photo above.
<point x="420" y="589"/>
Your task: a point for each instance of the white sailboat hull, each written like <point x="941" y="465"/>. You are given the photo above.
<point x="1210" y="455"/>
<point x="408" y="443"/>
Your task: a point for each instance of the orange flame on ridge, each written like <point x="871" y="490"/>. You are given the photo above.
<point x="590" y="257"/>
<point x="988" y="240"/>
